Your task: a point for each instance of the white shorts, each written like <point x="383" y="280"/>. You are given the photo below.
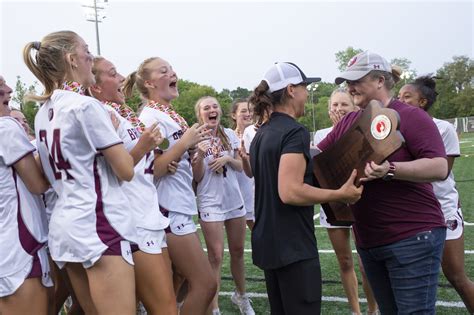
<point x="180" y="224"/>
<point x="36" y="267"/>
<point x="118" y="248"/>
<point x="11" y="283"/>
<point x="455" y="226"/>
<point x="221" y="217"/>
<point x="250" y="216"/>
<point x="324" y="223"/>
<point x="151" y="241"/>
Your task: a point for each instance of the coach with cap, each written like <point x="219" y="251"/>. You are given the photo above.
<point x="399" y="226"/>
<point x="283" y="240"/>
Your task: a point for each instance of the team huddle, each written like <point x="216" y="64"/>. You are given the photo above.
<point x="99" y="204"/>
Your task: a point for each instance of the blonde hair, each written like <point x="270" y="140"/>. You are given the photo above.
<point x="95" y="70"/>
<point x="340" y="90"/>
<point x="138" y="78"/>
<point x="49" y="64"/>
<point x="220" y="131"/>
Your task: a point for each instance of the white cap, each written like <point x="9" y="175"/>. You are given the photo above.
<point x="361" y="64"/>
<point x="282" y="74"/>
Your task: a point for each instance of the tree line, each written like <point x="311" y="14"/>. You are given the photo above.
<point x="454" y="80"/>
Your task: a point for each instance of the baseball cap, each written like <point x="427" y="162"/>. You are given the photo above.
<point x="361" y="64"/>
<point x="282" y="74"/>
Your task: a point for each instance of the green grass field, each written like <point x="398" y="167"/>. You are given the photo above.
<point x="334" y="300"/>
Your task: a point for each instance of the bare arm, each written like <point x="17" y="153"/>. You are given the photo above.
<point x="423" y="170"/>
<point x="149" y="139"/>
<point x="450" y="163"/>
<point x="292" y="189"/>
<point x="234" y="162"/>
<point x="191" y="137"/>
<point x="245" y="160"/>
<point x="120" y="161"/>
<point x="198" y="161"/>
<point x="31" y="174"/>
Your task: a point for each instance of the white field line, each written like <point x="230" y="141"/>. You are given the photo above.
<point x="330" y="251"/>
<point x="316" y="216"/>
<point x="344" y="300"/>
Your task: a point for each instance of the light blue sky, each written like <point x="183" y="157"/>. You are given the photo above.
<point x="227" y="44"/>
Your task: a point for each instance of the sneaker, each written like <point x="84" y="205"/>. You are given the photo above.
<point x="243" y="302"/>
<point x="141" y="309"/>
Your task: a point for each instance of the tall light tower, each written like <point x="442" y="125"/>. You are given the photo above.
<point x="312" y="88"/>
<point x="95" y="12"/>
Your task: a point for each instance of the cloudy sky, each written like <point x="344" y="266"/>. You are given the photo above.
<point x="227" y="44"/>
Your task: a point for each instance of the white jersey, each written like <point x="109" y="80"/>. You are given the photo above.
<point x="49" y="197"/>
<point x="20" y="226"/>
<point x="445" y="190"/>
<point x="220" y="192"/>
<point x="91" y="211"/>
<point x="140" y="191"/>
<point x="175" y="192"/>
<point x="247" y="136"/>
<point x="247" y="188"/>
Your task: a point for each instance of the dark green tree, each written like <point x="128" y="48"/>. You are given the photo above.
<point x="29" y="108"/>
<point x="343" y="56"/>
<point x="455" y="89"/>
<point x="240" y="92"/>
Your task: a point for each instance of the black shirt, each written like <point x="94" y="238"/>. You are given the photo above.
<point x="283" y="234"/>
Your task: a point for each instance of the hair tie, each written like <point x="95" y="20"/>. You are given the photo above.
<point x="37" y="45"/>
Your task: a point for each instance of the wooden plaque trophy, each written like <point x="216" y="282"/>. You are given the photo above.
<point x="374" y="136"/>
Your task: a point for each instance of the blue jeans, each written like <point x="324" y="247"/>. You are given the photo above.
<point x="404" y="275"/>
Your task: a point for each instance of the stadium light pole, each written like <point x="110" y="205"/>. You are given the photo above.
<point x="407" y="74"/>
<point x="312" y="88"/>
<point x="95" y="13"/>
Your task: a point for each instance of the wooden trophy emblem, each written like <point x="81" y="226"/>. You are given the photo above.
<point x="374" y="136"/>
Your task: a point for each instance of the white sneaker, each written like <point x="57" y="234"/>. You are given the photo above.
<point x="243" y="302"/>
<point x="141" y="309"/>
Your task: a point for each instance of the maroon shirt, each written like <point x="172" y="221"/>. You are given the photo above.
<point x="390" y="211"/>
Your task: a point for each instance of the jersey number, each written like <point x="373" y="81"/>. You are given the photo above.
<point x="56" y="159"/>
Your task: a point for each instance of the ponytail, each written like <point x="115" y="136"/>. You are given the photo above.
<point x="129" y="84"/>
<point x="262" y="101"/>
<point x="49" y="65"/>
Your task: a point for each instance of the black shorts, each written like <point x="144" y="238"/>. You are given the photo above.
<point x="295" y="288"/>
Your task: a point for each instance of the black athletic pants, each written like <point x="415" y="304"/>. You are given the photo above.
<point x="295" y="289"/>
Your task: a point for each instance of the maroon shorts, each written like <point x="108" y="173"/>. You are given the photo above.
<point x="114" y="248"/>
<point x="36" y="271"/>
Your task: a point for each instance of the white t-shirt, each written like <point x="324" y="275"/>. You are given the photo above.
<point x="248" y="135"/>
<point x="140" y="191"/>
<point x="445" y="190"/>
<point x="220" y="192"/>
<point x="18" y="238"/>
<point x="91" y="211"/>
<point x="321" y="134"/>
<point x="246" y="183"/>
<point x="175" y="192"/>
